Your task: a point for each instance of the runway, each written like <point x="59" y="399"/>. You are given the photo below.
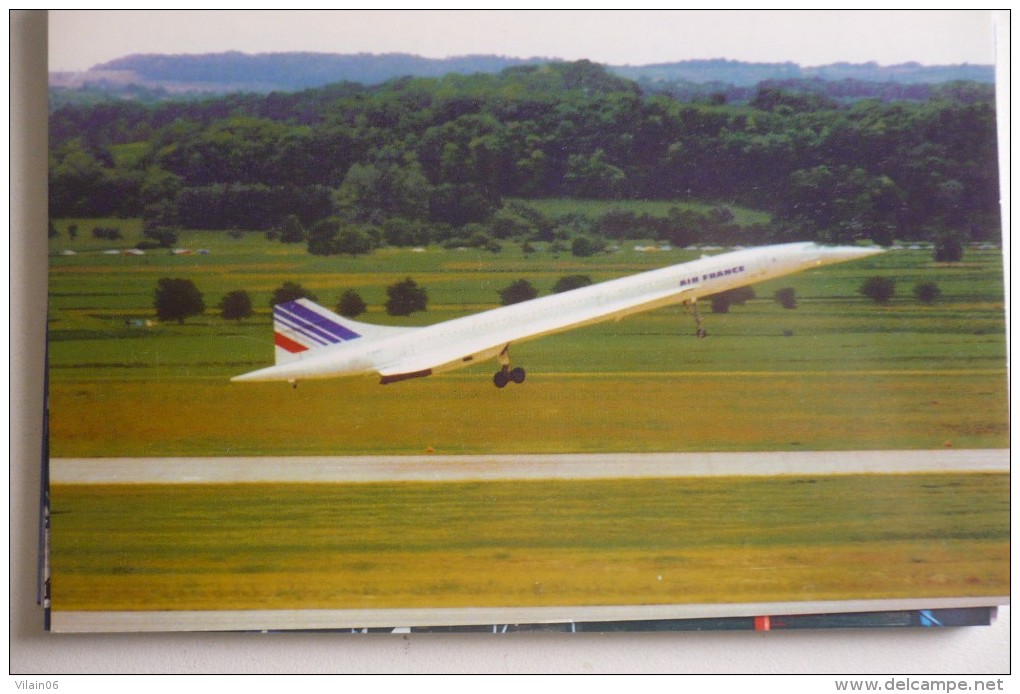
<point x="443" y="468"/>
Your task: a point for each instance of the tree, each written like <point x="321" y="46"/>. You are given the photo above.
<point x="108" y="233"/>
<point x="618" y="224"/>
<point x="333" y="236"/>
<point x="948" y="248"/>
<point x="460" y="204"/>
<point x="398" y="231"/>
<point x="569" y="282"/>
<point x="392" y="185"/>
<point x="879" y="289"/>
<point x="508" y="227"/>
<point x="786" y="297"/>
<point x="162" y="237"/>
<point x="290" y="291"/>
<point x="236" y="305"/>
<point x="292" y="230"/>
<point x="177" y="299"/>
<point x="351" y="304"/>
<point x="521" y="290"/>
<point x="405" y="298"/>
<point x="159" y="223"/>
<point x="352" y="241"/>
<point x="583" y="246"/>
<point x="593" y="176"/>
<point x="683" y="228"/>
<point x="321" y="236"/>
<point x="927" y="292"/>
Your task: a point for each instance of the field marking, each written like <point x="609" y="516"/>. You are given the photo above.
<point x="444" y="468"/>
<point x="401" y="619"/>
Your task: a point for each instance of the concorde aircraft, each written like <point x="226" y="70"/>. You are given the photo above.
<point x="313" y="342"/>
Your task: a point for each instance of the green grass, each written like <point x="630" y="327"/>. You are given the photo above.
<point x="838" y="372"/>
<point x="567" y="412"/>
<point x="523" y="543"/>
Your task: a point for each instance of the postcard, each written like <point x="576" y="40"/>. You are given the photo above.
<point x="379" y="333"/>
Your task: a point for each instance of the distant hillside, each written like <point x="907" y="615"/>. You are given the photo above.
<point x="234" y="71"/>
<point x="741" y="74"/>
<point x="266" y="72"/>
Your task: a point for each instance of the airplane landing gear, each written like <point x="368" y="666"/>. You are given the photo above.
<point x="505" y="374"/>
<point x="699" y="331"/>
<point x="501" y="379"/>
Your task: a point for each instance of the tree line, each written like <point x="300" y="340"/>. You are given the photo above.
<point x="432" y="157"/>
<point x="176" y="299"/>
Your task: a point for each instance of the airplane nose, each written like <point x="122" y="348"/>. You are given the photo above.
<point x="842" y="254"/>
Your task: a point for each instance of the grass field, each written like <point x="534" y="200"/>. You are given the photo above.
<point x="838" y="372"/>
<point x="529" y="543"/>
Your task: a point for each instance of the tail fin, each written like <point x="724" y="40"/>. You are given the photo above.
<point x="302" y="326"/>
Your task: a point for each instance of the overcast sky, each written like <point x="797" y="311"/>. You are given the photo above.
<point x="82" y="39"/>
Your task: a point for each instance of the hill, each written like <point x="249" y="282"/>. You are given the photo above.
<point x="266" y="72"/>
<point x="229" y="72"/>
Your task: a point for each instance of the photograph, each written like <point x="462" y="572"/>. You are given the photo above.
<point x="401" y="320"/>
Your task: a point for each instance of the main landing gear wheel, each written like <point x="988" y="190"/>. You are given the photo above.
<point x="505" y="375"/>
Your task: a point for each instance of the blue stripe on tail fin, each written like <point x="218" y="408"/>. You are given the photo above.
<point x="303" y="326"/>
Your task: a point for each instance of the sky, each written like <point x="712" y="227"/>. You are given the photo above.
<point x="81" y="39"/>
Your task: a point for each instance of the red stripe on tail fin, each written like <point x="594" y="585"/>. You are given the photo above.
<point x="288" y="344"/>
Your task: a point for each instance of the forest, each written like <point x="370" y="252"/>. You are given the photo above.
<point x="456" y="159"/>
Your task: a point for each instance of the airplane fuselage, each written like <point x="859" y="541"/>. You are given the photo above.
<point x="463" y="341"/>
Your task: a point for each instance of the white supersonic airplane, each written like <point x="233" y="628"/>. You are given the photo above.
<point x="313" y="342"/>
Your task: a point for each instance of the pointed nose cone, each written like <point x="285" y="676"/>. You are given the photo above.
<point x="842" y="254"/>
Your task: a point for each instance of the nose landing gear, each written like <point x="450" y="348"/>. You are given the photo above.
<point x="698" y="330"/>
<point x="506" y="375"/>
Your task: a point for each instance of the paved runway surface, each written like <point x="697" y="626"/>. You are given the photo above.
<point x="440" y="468"/>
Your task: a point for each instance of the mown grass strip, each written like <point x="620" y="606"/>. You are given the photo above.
<point x="677" y="540"/>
